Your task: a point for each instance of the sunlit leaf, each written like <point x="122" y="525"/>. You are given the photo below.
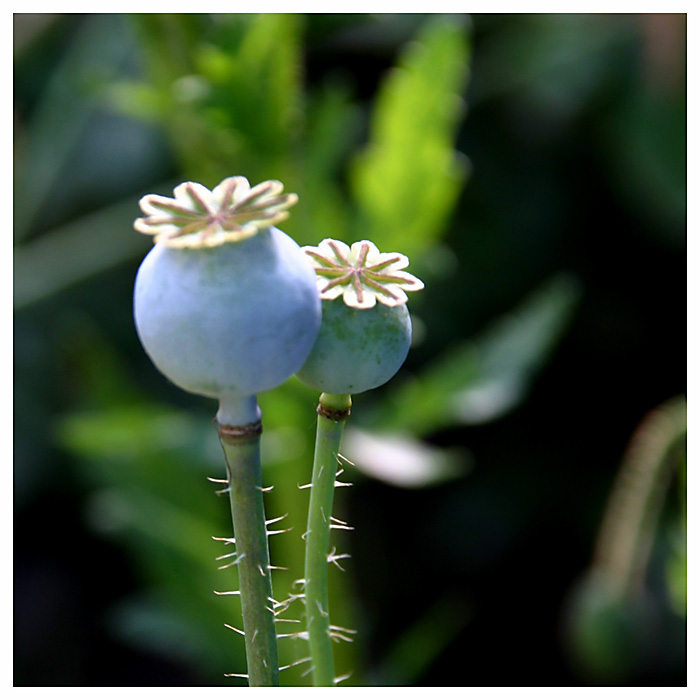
<point x="407" y="180"/>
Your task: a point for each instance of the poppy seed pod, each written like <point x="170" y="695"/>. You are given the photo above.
<point x="225" y="304"/>
<point x="361" y="344"/>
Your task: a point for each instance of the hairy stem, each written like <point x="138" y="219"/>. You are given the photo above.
<point x="332" y="411"/>
<point x="242" y="451"/>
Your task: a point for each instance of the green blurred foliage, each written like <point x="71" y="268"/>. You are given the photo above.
<point x="407" y="180"/>
<point x="365" y="117"/>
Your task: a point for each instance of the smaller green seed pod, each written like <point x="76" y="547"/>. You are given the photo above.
<point x="357" y="349"/>
<point x="362" y="344"/>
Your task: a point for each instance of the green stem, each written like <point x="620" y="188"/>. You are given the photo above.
<point x="242" y="452"/>
<point x="332" y="411"/>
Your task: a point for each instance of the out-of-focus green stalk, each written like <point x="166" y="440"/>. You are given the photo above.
<point x="635" y="503"/>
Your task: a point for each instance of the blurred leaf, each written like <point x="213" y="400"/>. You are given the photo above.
<point x="645" y="155"/>
<point x="265" y="82"/>
<point x="401" y="460"/>
<point x="66" y="108"/>
<point x="146" y="466"/>
<point x="490" y="375"/>
<point x="76" y="251"/>
<point x="131" y="432"/>
<point x="151" y="624"/>
<point x="553" y="62"/>
<point x="330" y="112"/>
<point x="677" y="580"/>
<point x="138" y="100"/>
<point x="421" y="644"/>
<point x="229" y="97"/>
<point x="173" y="549"/>
<point x="407" y="180"/>
<point x="162" y="523"/>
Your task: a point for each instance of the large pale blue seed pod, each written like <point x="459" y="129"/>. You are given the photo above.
<point x="225" y="304"/>
<point x="366" y="328"/>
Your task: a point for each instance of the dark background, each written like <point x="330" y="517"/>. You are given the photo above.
<point x="575" y="133"/>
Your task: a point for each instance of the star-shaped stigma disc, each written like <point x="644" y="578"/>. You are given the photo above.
<point x="361" y="274"/>
<point x="200" y="218"/>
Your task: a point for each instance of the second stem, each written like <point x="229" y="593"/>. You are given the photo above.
<point x="333" y="409"/>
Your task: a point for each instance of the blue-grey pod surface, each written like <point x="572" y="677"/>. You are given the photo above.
<point x="230" y="321"/>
